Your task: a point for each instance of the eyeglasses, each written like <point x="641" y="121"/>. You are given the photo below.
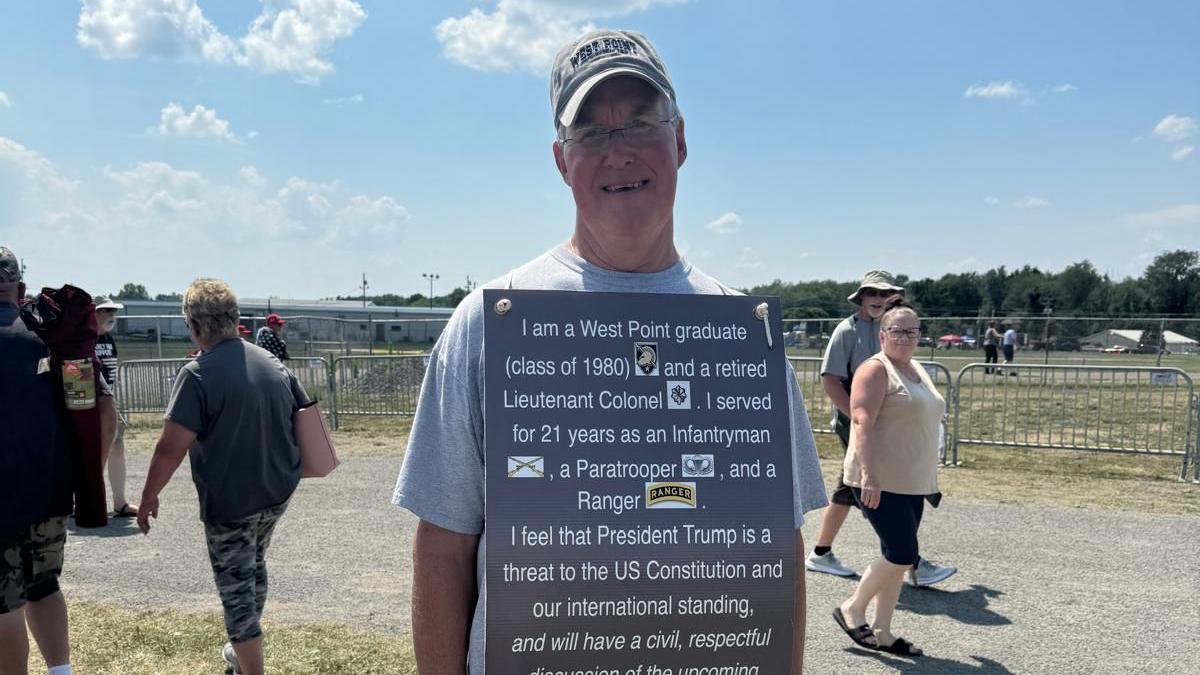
<point x="873" y="292"/>
<point x="905" y="333"/>
<point x="638" y="133"/>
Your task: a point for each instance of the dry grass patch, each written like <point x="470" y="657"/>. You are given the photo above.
<point x="1076" y="479"/>
<point x="108" y="640"/>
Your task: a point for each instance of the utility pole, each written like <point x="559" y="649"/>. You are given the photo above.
<point x="468" y="283"/>
<point x="430" y="276"/>
<point x="364" y="290"/>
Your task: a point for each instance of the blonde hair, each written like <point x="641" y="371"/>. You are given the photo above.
<point x="210" y="306"/>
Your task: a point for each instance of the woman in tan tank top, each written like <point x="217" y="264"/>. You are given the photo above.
<point x="891" y="466"/>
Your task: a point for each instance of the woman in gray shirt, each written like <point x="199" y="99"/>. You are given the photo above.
<point x="231" y="412"/>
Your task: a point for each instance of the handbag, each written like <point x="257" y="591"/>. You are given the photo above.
<point x="318" y="458"/>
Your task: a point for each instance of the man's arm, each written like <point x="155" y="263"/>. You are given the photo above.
<point x="799" y="611"/>
<point x="836" y="391"/>
<point x="443" y="598"/>
<point x="172" y="447"/>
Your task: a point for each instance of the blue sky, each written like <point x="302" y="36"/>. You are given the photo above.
<point x="337" y="137"/>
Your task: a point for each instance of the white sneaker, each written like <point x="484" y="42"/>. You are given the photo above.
<point x="828" y="564"/>
<point x="928" y="573"/>
<point x="231" y="663"/>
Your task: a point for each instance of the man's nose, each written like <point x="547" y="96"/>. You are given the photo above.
<point x="619" y="152"/>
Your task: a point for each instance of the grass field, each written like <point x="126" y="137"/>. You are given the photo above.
<point x="107" y="639"/>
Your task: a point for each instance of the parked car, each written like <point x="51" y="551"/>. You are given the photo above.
<point x="1118" y="349"/>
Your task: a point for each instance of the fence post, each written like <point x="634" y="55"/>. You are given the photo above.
<point x="957" y="412"/>
<point x="333" y="398"/>
<point x="158" y="336"/>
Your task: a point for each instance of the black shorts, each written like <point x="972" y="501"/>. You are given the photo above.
<point x="841" y="492"/>
<point x="896" y="521"/>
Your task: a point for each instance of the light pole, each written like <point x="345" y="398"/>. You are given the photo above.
<point x="430" y="276"/>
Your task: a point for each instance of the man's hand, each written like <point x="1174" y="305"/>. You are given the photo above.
<point x="147" y="509"/>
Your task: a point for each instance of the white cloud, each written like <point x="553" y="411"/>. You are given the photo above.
<point x="160" y="201"/>
<point x="748" y="260"/>
<point x="1180" y="214"/>
<point x="39" y="171"/>
<point x="1180" y="154"/>
<point x="292" y="40"/>
<point x="991" y="201"/>
<point x="251" y="176"/>
<point x="726" y="223"/>
<point x="1175" y="128"/>
<point x="288" y="36"/>
<point x="1028" y="202"/>
<point x="201" y="122"/>
<point x="1063" y="88"/>
<point x="1007" y="89"/>
<point x="343" y="101"/>
<point x="526" y="34"/>
<point x="5" y="101"/>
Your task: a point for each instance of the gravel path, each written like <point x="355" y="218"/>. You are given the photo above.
<point x="1042" y="590"/>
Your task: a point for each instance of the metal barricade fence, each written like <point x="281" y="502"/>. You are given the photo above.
<point x="144" y="385"/>
<point x="377" y="385"/>
<point x="1144" y="410"/>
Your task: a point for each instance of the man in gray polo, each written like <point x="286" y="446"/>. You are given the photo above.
<point x="619" y="146"/>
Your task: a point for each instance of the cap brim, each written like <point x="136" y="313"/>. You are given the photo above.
<point x="855" y="299"/>
<point x="571" y="109"/>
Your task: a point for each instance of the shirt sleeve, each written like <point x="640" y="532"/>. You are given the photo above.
<point x="837" y="352"/>
<point x="442" y="479"/>
<point x="186" y="407"/>
<point x="808" y="485"/>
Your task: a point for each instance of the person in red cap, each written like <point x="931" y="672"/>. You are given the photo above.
<point x="243" y="332"/>
<point x="270" y="337"/>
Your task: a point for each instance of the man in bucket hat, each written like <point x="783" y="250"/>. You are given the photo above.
<point x="854" y="341"/>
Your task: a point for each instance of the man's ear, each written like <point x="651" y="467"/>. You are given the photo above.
<point x="560" y="160"/>
<point x="680" y="141"/>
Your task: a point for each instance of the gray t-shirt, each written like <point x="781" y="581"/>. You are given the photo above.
<point x="239" y="400"/>
<point x="442" y="479"/>
<point x="853" y="341"/>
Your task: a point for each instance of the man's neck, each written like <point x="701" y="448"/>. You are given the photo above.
<point x="863" y="315"/>
<point x="639" y="256"/>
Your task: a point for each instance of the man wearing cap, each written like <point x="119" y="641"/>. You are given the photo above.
<point x="270" y="337"/>
<point x="35" y="490"/>
<point x="855" y="340"/>
<point x="620" y="143"/>
<point x="114" y="454"/>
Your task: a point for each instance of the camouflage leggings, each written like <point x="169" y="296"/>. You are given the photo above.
<point x="29" y="568"/>
<point x="238" y="552"/>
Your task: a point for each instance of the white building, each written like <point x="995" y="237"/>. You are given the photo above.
<point x="321" y="321"/>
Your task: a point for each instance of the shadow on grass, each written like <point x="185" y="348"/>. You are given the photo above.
<point x="933" y="664"/>
<point x="969" y="606"/>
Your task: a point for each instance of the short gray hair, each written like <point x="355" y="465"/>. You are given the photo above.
<point x="210" y="306"/>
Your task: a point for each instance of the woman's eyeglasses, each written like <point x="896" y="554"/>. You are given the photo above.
<point x="903" y="333"/>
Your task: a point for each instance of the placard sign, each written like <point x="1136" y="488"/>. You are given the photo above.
<point x="639" y="485"/>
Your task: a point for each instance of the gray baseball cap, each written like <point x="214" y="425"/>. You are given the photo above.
<point x="596" y="56"/>
<point x="10" y="267"/>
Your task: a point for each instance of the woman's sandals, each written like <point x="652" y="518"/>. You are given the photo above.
<point x="864" y="637"/>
